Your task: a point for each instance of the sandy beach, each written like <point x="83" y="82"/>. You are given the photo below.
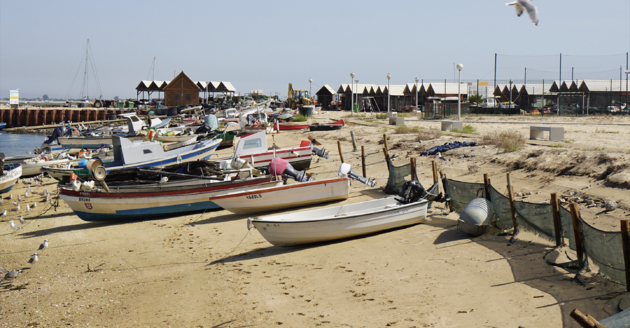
<point x="208" y="270"/>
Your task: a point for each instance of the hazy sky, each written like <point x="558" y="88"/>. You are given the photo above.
<point x="267" y="44"/>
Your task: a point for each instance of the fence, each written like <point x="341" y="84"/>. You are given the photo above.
<point x="603" y="248"/>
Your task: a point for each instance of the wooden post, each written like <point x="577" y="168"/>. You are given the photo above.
<point x="625" y="240"/>
<point x="583" y="320"/>
<point x="386" y="156"/>
<point x="557" y="226"/>
<point x="577" y="230"/>
<point x="340" y="153"/>
<point x="385" y="140"/>
<point x="363" y="161"/>
<point x="354" y="141"/>
<point x="435" y="172"/>
<point x="412" y="161"/>
<point x="486" y="185"/>
<point x="511" y="196"/>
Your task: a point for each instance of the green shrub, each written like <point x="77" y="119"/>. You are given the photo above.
<point x="300" y="118"/>
<point x="505" y="141"/>
<point x="381" y="116"/>
<point x="405" y="129"/>
<point x="469" y="129"/>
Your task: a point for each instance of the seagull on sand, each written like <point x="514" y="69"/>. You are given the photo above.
<point x="34" y="205"/>
<point x="33" y="259"/>
<point x="22" y="221"/>
<point x="43" y="245"/>
<point x="19" y="198"/>
<point x="14" y="226"/>
<point x="10" y="196"/>
<point x="1" y="200"/>
<point x="15" y="203"/>
<point x="28" y="208"/>
<point x="11" y="275"/>
<point x="16" y="208"/>
<point x="521" y="5"/>
<point x="4" y="213"/>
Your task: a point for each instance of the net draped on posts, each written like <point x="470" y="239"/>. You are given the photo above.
<point x="603" y="248"/>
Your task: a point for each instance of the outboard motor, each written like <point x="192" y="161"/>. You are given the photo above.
<point x="281" y="167"/>
<point x="319" y="152"/>
<point x="412" y="191"/>
<point x="57" y="132"/>
<point x="345" y="170"/>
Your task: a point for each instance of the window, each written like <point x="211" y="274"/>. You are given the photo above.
<point x="147" y="151"/>
<point x="249" y="144"/>
<point x="176" y="96"/>
<point x="187" y="96"/>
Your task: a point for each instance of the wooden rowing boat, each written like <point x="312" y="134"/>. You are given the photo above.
<point x="327" y="126"/>
<point x="286" y="196"/>
<point x="141" y="202"/>
<point x="339" y="222"/>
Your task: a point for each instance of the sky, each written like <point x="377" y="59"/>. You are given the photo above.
<point x="268" y="44"/>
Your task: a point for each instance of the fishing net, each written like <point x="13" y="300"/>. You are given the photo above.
<point x="605" y="249"/>
<point x="536" y="218"/>
<point x="502" y="209"/>
<point x="461" y="193"/>
<point x="397" y="176"/>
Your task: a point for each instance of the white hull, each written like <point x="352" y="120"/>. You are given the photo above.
<point x="287" y="196"/>
<point x="339" y="222"/>
<point x="34" y="168"/>
<point x="9" y="178"/>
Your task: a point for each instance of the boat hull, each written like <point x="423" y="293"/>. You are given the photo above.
<point x="299" y="157"/>
<point x="9" y="178"/>
<point x="134" y="205"/>
<point x="286" y="196"/>
<point x="90" y="142"/>
<point x="339" y="222"/>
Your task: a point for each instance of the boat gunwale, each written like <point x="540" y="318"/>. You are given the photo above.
<point x="70" y="193"/>
<point x="278" y="188"/>
<point x="341" y="217"/>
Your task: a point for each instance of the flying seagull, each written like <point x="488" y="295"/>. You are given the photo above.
<point x="521" y="5"/>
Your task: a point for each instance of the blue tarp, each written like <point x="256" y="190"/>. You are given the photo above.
<point x="447" y="146"/>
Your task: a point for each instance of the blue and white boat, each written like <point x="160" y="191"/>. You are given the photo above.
<point x="9" y="176"/>
<point x="2" y="125"/>
<point x="128" y="154"/>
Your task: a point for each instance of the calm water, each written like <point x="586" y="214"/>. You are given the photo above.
<point x="12" y="144"/>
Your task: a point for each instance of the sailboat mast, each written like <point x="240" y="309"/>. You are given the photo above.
<point x="85" y="81"/>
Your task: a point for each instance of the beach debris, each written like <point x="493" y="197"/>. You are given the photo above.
<point x="11" y="275"/>
<point x="33" y="259"/>
<point x="525" y="5"/>
<point x="610" y="205"/>
<point x="43" y="245"/>
<point x="16" y="227"/>
<point x="439" y="156"/>
<point x="520" y="194"/>
<point x="22" y="221"/>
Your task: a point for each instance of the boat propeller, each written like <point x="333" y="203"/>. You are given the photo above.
<point x="345" y="170"/>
